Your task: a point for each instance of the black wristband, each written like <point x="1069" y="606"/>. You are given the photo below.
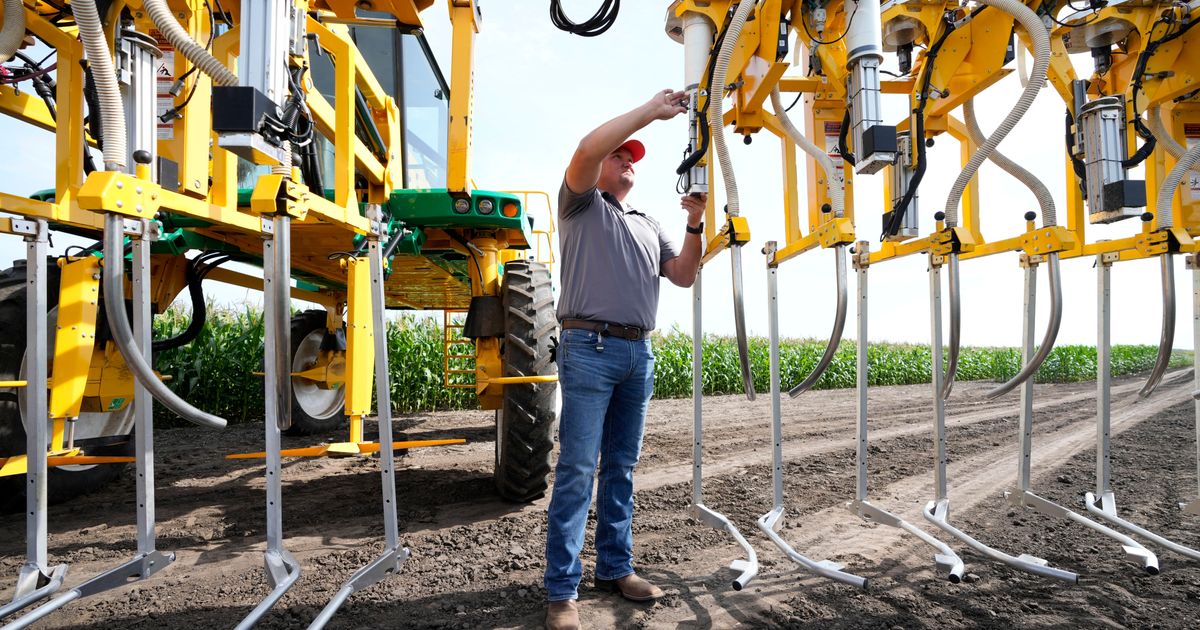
<point x="699" y="229"/>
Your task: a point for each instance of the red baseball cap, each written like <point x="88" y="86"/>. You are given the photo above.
<point x="636" y="149"/>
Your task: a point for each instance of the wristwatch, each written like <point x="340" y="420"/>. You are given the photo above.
<point x="699" y="229"/>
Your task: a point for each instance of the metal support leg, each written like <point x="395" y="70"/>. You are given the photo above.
<point x="37" y="579"/>
<point x="1023" y="495"/>
<point x="394" y="555"/>
<point x="938" y="511"/>
<point x="282" y="569"/>
<point x="770" y="522"/>
<point x="947" y="562"/>
<point x="1194" y="264"/>
<point x="148" y="560"/>
<point x="1104" y="503"/>
<point x="747" y="569"/>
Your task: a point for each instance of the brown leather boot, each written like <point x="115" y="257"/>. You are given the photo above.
<point x="631" y="587"/>
<point x="562" y="615"/>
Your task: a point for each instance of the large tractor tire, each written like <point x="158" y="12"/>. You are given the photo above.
<point x="63" y="482"/>
<point x="314" y="410"/>
<point x="525" y="422"/>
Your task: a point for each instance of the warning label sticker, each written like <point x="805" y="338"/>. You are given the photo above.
<point x="833" y="129"/>
<point x="165" y="75"/>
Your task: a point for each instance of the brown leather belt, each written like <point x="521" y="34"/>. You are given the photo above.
<point x="631" y="333"/>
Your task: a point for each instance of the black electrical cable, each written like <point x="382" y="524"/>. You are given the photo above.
<point x="843" y="148"/>
<point x="1139" y="72"/>
<point x="794" y="101"/>
<point x="918" y="136"/>
<point x="1077" y="164"/>
<point x="702" y="108"/>
<point x="175" y="112"/>
<point x="601" y="20"/>
<point x="195" y="279"/>
<point x="92" y="98"/>
<point x="849" y="22"/>
<point x="1095" y="16"/>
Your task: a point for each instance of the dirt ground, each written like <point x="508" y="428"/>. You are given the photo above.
<point x="476" y="561"/>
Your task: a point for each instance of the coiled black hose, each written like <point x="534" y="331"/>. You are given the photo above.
<point x="601" y="20"/>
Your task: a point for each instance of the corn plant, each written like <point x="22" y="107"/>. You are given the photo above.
<point x="216" y="371"/>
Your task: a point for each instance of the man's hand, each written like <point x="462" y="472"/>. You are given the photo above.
<point x="694" y="204"/>
<point x="667" y="104"/>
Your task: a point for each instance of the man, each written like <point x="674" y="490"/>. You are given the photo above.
<point x="612" y="257"/>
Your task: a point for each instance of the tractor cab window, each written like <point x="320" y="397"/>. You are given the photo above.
<point x="406" y="69"/>
<point x="426" y="111"/>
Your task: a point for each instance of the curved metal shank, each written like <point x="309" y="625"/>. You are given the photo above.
<point x="118" y="320"/>
<point x="1047" y="341"/>
<point x="739" y="321"/>
<point x="839" y="325"/>
<point x="1168" y="327"/>
<point x="955" y="328"/>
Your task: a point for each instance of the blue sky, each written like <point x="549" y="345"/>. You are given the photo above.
<point x="538" y="90"/>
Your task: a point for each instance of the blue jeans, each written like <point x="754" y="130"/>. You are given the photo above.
<point x="606" y="386"/>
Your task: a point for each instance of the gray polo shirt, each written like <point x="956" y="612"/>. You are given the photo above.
<point x="612" y="257"/>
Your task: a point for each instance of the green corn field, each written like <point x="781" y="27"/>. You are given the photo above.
<point x="216" y="371"/>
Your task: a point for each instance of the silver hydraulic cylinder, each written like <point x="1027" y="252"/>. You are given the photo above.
<point x="137" y="62"/>
<point x="698" y="34"/>
<point x="1101" y="141"/>
<point x="901" y="181"/>
<point x="874" y="144"/>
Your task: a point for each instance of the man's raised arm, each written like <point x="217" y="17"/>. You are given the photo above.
<point x="584" y="170"/>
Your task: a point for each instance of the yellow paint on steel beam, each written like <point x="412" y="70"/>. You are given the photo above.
<point x="224" y="189"/>
<point x="75" y="335"/>
<point x="110" y="380"/>
<point x="26" y="107"/>
<point x="464" y="21"/>
<point x="360" y="344"/>
<point x="500" y="382"/>
<point x="969" y="215"/>
<point x="485" y="281"/>
<point x="822" y="123"/>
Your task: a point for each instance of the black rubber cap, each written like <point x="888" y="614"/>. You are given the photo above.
<point x="1147" y="217"/>
<point x="939" y="215"/>
<point x="1031" y="215"/>
<point x="747" y="139"/>
<point x="826" y="208"/>
<point x="929" y="142"/>
<point x="142" y="156"/>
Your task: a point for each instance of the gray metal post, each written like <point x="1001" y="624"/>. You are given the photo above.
<point x="1025" y="424"/>
<point x="36" y="403"/>
<point x="281" y="568"/>
<point x="1103" y="373"/>
<point x="393" y="555"/>
<point x="939" y="404"/>
<point x="863" y="377"/>
<point x="772" y="521"/>
<point x="36" y="578"/>
<point x="1194" y="263"/>
<point x="697" y="391"/>
<point x="143" y="403"/>
<point x="383" y="397"/>
<point x="1104" y="503"/>
<point x="277" y="348"/>
<point x="776" y="408"/>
